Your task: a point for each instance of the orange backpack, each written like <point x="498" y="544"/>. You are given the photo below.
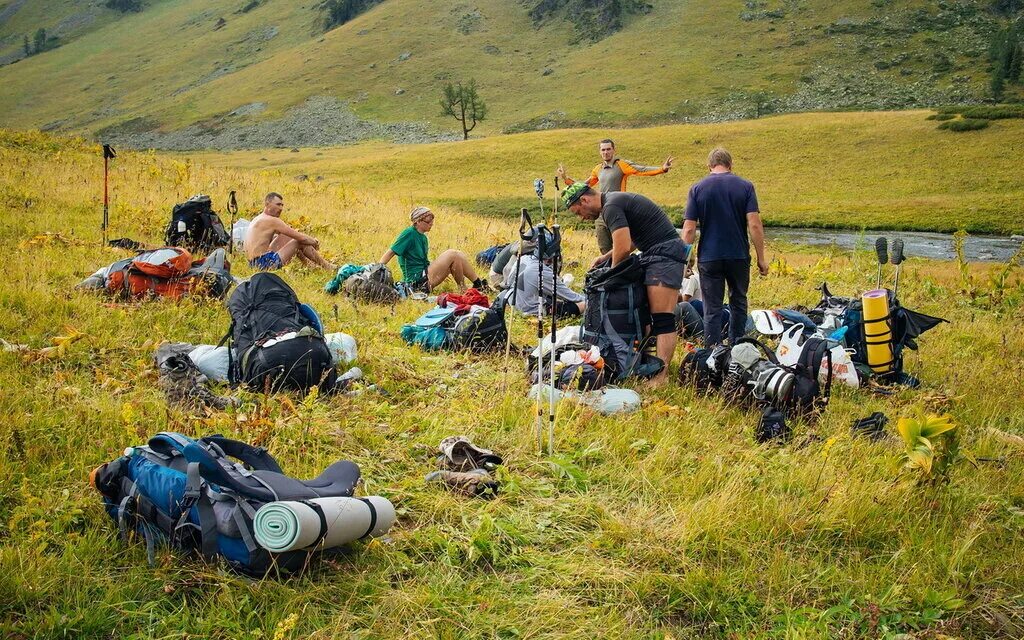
<point x="169" y="272"/>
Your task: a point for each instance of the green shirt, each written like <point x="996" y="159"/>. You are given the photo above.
<point x="411" y="248"/>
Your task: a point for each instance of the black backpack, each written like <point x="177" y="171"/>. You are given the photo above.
<point x="195" y="226"/>
<point x="480" y="332"/>
<point x="617" y="318"/>
<point x="275" y="341"/>
<point x="808" y="396"/>
<point x="696" y="368"/>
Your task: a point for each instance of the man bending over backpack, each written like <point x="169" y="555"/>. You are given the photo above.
<point x="636" y="222"/>
<point x="271" y="243"/>
<point x="418" y="271"/>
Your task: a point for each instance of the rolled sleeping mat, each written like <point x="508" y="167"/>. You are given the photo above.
<point x="877" y="331"/>
<point x="289" y="525"/>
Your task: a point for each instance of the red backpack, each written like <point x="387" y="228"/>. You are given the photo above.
<point x="169" y="272"/>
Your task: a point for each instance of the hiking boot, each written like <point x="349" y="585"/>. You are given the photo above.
<point x="458" y="453"/>
<point x="475" y="483"/>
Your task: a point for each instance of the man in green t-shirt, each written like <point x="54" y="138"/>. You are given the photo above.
<point x="411" y="247"/>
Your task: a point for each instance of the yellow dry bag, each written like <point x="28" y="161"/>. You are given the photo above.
<point x="878" y="331"/>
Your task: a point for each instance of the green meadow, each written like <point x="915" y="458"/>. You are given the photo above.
<point x="671" y="522"/>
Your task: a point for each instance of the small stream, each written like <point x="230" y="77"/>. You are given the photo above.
<point x="922" y="244"/>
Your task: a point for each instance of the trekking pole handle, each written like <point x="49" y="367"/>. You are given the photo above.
<point x="538" y="187"/>
<point x="232" y="203"/>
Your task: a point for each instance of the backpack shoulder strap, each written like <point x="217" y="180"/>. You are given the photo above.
<point x="256" y="457"/>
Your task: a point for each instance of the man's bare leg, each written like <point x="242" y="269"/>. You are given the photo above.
<point x="309" y="255"/>
<point x="663" y="300"/>
<point x="285" y="248"/>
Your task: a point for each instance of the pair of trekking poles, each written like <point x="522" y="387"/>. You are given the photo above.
<point x="548" y="243"/>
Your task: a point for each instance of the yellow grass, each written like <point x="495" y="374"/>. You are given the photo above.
<point x="667" y="523"/>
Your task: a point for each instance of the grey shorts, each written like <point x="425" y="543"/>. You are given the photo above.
<point x="664" y="264"/>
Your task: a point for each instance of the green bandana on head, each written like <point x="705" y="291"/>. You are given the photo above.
<point x="573" y="192"/>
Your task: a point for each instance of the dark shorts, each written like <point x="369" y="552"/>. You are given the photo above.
<point x="422" y="284"/>
<point x="664" y="264"/>
<point x="269" y="261"/>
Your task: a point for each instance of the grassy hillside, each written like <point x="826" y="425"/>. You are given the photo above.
<point x="669" y="523"/>
<point x="854" y="170"/>
<point x="190" y="61"/>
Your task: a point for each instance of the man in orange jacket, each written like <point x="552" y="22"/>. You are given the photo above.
<point x="612" y="174"/>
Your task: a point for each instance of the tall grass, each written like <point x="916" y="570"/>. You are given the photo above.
<point x="667" y="523"/>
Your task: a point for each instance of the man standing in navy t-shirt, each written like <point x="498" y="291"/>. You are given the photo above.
<point x="725" y="205"/>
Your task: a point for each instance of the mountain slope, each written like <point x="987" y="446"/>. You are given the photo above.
<point x="185" y="62"/>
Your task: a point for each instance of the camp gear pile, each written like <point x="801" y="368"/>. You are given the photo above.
<point x="201" y="495"/>
<point x="460" y="323"/>
<point x="167" y="272"/>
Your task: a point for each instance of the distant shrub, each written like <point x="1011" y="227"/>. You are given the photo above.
<point x="341" y="11"/>
<point x="967" y="124"/>
<point x="941" y="117"/>
<point x="249" y="7"/>
<point x="993" y="112"/>
<point x="124" y="6"/>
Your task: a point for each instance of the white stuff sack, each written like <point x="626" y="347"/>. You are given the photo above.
<point x="238" y="233"/>
<point x="211" y="361"/>
<point x="342" y="346"/>
<point x="792" y="344"/>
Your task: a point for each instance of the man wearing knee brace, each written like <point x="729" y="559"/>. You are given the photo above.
<point x="636" y="222"/>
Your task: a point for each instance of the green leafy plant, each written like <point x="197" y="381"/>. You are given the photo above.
<point x="931" y="446"/>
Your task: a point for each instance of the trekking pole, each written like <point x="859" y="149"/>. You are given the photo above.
<point x="554" y="211"/>
<point x="108" y="155"/>
<point x="897" y="259"/>
<point x="556" y="259"/>
<point x="882" y="251"/>
<point x="538" y="187"/>
<point x="541" y="248"/>
<point x="233" y="210"/>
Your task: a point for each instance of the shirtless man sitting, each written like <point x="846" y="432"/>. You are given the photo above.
<point x="270" y="243"/>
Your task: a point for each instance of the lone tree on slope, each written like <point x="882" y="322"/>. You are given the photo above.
<point x="462" y="103"/>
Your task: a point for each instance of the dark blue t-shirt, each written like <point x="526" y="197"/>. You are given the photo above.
<point x="720" y="203"/>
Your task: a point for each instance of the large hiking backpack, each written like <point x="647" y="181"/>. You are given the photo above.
<point x="276" y="342"/>
<point x="617" y="318"/>
<point x="906" y="326"/>
<point x="191" y="495"/>
<point x="481" y="330"/>
<point x="169" y="272"/>
<point x="374" y="284"/>
<point x="195" y="226"/>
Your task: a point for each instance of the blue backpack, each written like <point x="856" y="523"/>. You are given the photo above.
<point x="190" y="494"/>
